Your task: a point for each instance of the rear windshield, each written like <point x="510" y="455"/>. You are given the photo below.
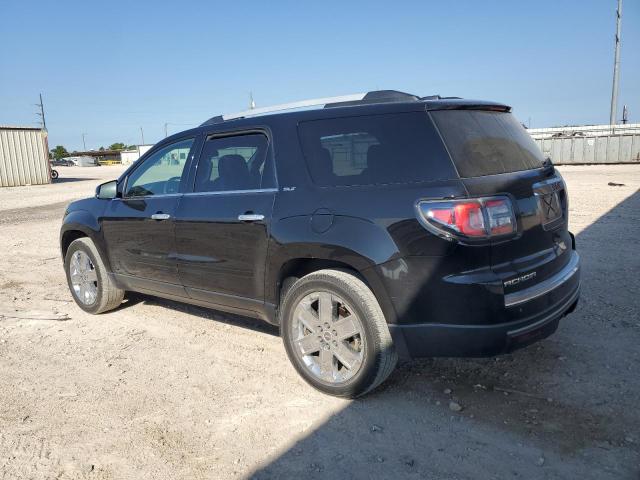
<point x="374" y="149"/>
<point x="487" y="143"/>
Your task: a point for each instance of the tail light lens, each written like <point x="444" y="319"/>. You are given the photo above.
<point x="475" y="219"/>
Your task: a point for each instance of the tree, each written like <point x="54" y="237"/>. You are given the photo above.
<point x="117" y="146"/>
<point x="59" y="152"/>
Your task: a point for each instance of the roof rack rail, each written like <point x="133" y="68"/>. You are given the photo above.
<point x="285" y="106"/>
<point x="379" y="96"/>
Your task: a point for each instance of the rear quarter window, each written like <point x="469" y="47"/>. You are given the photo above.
<point x="374" y="150"/>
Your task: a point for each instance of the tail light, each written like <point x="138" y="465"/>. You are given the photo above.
<point x="469" y="219"/>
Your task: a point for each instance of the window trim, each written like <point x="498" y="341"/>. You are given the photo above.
<point x="235" y="133"/>
<point x="148" y="156"/>
<point x="231" y="192"/>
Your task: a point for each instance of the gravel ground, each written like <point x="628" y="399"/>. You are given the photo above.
<point x="159" y="389"/>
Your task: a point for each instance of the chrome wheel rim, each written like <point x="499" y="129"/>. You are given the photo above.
<point x="84" y="278"/>
<point x="328" y="337"/>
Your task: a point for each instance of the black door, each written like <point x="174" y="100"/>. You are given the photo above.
<point x="222" y="227"/>
<point x="139" y="227"/>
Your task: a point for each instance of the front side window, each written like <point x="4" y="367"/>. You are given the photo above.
<point x="234" y="163"/>
<point x="374" y="150"/>
<point x="161" y="173"/>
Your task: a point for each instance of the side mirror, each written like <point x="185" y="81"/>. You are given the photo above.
<point x="108" y="190"/>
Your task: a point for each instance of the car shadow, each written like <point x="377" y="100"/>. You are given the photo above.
<point x="562" y="408"/>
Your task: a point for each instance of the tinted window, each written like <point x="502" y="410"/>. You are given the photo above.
<point x="161" y="172"/>
<point x="374" y="149"/>
<point x="234" y="163"/>
<point x="487" y="143"/>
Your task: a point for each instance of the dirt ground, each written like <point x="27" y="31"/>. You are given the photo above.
<point x="159" y="389"/>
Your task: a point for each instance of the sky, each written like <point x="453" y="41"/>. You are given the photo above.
<point x="106" y="69"/>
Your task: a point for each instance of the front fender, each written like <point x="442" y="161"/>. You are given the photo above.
<point x="86" y="223"/>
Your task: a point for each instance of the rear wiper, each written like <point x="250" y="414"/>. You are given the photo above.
<point x="547" y="166"/>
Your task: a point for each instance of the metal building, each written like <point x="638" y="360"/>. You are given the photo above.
<point x="592" y="144"/>
<point x="130" y="156"/>
<point x="24" y="156"/>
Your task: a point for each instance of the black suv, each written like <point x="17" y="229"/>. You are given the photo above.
<point x="381" y="225"/>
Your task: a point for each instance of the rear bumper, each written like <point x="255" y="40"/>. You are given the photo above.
<point x="551" y="301"/>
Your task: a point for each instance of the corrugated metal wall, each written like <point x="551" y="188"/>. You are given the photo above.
<point x="24" y="159"/>
<point x="592" y="149"/>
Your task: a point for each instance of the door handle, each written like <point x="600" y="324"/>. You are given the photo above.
<point x="250" y="217"/>
<point x="160" y="216"/>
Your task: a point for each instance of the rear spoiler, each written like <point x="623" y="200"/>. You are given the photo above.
<point x="460" y="104"/>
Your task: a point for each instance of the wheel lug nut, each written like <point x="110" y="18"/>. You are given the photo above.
<point x="335" y="334"/>
<point x="335" y="344"/>
<point x="326" y="325"/>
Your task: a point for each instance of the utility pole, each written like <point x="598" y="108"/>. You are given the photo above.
<point x="84" y="145"/>
<point x="165" y="130"/>
<point x="252" y="104"/>
<point x="41" y="113"/>
<point x="616" y="68"/>
<point x="142" y="135"/>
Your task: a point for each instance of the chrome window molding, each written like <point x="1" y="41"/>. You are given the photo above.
<point x="232" y="192"/>
<point x="142" y="197"/>
<point x="192" y="194"/>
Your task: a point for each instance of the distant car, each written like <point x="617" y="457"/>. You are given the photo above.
<point x="63" y="162"/>
<point x="83" y="161"/>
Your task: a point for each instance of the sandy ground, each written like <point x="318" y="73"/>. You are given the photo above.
<point x="158" y="389"/>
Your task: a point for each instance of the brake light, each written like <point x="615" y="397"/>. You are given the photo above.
<point x="481" y="218"/>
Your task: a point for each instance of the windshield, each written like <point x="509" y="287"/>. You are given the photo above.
<point x="487" y="143"/>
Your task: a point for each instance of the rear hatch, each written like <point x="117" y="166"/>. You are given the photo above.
<point x="494" y="155"/>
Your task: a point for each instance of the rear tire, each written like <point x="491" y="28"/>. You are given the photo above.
<point x="347" y="352"/>
<point x="91" y="287"/>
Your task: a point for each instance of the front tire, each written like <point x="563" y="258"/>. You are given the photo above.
<point x="91" y="287"/>
<point x="335" y="334"/>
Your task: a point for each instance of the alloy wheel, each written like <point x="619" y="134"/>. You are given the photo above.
<point x="328" y="337"/>
<point x="84" y="278"/>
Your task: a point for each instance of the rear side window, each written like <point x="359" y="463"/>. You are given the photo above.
<point x="487" y="143"/>
<point x="374" y="149"/>
<point x="234" y="163"/>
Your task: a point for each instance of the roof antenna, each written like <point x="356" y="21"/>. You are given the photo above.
<point x="252" y="104"/>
